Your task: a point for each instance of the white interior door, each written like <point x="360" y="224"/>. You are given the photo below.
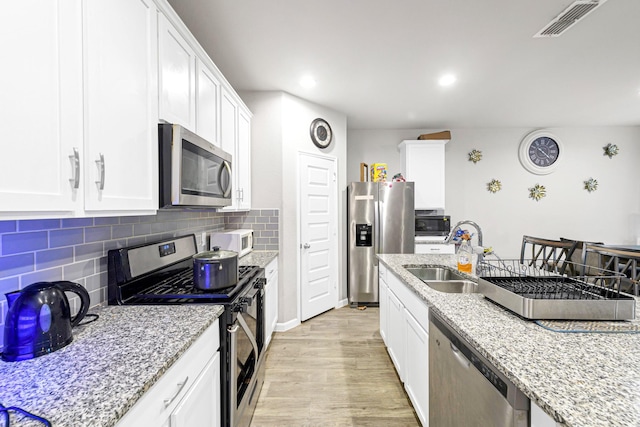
<point x="318" y="235"/>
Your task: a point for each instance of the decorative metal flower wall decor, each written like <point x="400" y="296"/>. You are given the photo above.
<point x="591" y="185"/>
<point x="475" y="156"/>
<point x="537" y="192"/>
<point x="611" y="150"/>
<point x="494" y="186"/>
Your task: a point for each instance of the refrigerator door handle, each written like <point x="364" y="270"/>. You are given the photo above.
<point x="377" y="236"/>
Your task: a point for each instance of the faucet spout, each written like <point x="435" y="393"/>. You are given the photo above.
<point x="466" y="221"/>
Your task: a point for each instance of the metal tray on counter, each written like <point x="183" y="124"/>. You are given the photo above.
<point x="543" y="294"/>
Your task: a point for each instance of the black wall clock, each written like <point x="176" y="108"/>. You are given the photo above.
<point x="321" y="133"/>
<point x="540" y="152"/>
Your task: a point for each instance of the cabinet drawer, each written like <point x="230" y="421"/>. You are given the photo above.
<point x="426" y="248"/>
<point x="382" y="272"/>
<point x="161" y="399"/>
<point x="271" y="269"/>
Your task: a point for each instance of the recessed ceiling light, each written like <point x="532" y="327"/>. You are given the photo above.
<point x="307" y="82"/>
<point x="447" y="80"/>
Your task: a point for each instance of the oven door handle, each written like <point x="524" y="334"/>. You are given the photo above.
<point x="233" y="370"/>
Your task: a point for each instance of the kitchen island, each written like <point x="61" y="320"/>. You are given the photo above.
<point x="109" y="365"/>
<point x="579" y="379"/>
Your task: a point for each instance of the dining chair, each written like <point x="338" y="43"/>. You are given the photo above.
<point x="547" y="254"/>
<point x="622" y="260"/>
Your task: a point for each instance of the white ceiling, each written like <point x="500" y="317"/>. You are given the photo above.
<point x="378" y="61"/>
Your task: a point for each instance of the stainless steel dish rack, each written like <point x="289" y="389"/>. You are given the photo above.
<point x="537" y="290"/>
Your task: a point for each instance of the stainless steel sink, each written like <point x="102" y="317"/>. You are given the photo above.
<point x="453" y="286"/>
<point x="444" y="279"/>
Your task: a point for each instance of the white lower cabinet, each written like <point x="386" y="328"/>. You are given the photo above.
<point x="407" y="340"/>
<point x="383" y="295"/>
<point x="417" y="367"/>
<point x="188" y="394"/>
<point x="271" y="300"/>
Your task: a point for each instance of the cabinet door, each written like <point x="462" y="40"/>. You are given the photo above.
<point x="41" y="44"/>
<point x="271" y="299"/>
<point x="423" y="163"/>
<point x="201" y="405"/>
<point x="384" y="307"/>
<point x="396" y="333"/>
<point x="228" y="140"/>
<point x="177" y="65"/>
<point x="417" y="367"/>
<point x="243" y="160"/>
<point x="121" y="105"/>
<point x="207" y="104"/>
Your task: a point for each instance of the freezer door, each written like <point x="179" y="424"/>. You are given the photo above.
<point x="396" y="228"/>
<point x="362" y="262"/>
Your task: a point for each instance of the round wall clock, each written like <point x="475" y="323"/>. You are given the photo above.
<point x="321" y="133"/>
<point x="540" y="152"/>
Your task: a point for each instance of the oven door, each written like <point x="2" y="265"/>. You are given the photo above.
<point x="246" y="374"/>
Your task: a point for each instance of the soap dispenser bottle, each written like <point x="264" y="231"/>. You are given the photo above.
<point x="464" y="257"/>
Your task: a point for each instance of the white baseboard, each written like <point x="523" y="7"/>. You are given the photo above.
<point x="342" y="303"/>
<point x="283" y="327"/>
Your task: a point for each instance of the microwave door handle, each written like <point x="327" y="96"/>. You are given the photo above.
<point x="227" y="167"/>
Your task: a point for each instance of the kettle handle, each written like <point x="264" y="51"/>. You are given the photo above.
<point x="84" y="299"/>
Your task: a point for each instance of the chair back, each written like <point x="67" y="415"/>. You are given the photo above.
<point x="547" y="254"/>
<point x="621" y="260"/>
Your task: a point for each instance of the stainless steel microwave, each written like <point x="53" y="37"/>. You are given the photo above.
<point x="428" y="224"/>
<point x="193" y="172"/>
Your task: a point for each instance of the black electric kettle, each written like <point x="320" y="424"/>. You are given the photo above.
<point x="39" y="319"/>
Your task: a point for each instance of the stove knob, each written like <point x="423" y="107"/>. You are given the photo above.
<point x="260" y="283"/>
<point x="246" y="301"/>
<point x="239" y="308"/>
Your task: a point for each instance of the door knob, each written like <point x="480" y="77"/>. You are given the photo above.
<point x="306" y="246"/>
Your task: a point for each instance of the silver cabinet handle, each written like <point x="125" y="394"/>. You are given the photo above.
<point x="75" y="159"/>
<point x="168" y="402"/>
<point x="100" y="164"/>
<point x="306" y="246"/>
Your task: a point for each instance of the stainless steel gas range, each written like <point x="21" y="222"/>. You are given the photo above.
<point x="162" y="273"/>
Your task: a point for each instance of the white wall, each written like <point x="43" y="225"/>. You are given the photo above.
<point x="280" y="131"/>
<point x="611" y="214"/>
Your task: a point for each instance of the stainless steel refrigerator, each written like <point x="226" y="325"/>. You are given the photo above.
<point x="381" y="221"/>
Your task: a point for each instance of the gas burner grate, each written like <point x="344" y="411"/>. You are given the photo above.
<point x="179" y="288"/>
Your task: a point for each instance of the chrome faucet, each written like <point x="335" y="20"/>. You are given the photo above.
<point x="477" y="227"/>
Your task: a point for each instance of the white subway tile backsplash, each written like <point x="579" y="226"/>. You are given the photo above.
<point x="76" y="249"/>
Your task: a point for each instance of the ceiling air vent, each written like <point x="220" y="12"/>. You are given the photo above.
<point x="570" y="16"/>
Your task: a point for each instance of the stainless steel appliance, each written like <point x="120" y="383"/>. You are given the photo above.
<point x="464" y="389"/>
<point x="162" y="273"/>
<point x="39" y="319"/>
<point x="429" y="224"/>
<point x="193" y="172"/>
<point x="539" y="292"/>
<point x="380" y="221"/>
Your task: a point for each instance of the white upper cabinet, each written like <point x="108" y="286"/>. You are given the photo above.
<point x="121" y="92"/>
<point x="235" y="138"/>
<point x="40" y="168"/>
<point x="207" y="104"/>
<point x="85" y="84"/>
<point x="177" y="77"/>
<point x="423" y="163"/>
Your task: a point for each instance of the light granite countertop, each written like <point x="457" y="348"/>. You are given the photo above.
<point x="579" y="379"/>
<point x="259" y="258"/>
<point x="109" y="365"/>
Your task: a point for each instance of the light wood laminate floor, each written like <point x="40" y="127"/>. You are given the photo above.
<point x="333" y="370"/>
